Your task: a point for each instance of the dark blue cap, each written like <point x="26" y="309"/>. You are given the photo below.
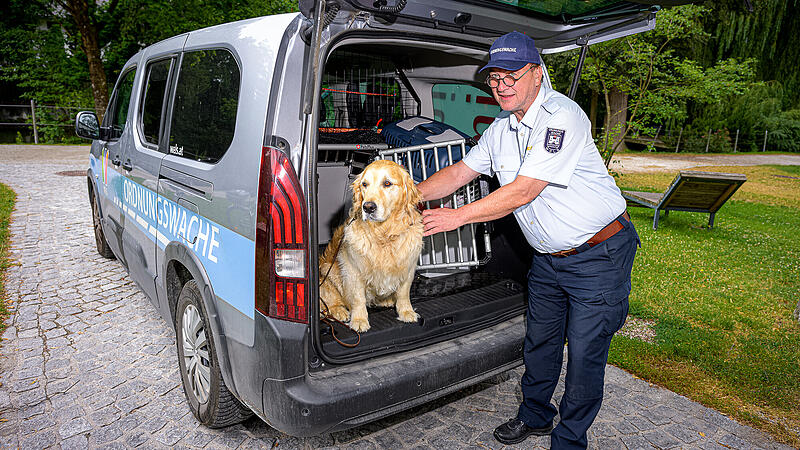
<point x="512" y="51"/>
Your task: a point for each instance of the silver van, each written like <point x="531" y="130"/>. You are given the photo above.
<point x="222" y="165"/>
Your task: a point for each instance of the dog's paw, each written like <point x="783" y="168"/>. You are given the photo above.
<point x="359" y="324"/>
<point x="407" y="315"/>
<point x="339" y="312"/>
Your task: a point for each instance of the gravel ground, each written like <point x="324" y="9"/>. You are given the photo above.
<point x="636" y="328"/>
<point x="76" y="155"/>
<point x="672" y="162"/>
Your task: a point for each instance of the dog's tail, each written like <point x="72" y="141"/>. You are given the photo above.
<point x="329" y="255"/>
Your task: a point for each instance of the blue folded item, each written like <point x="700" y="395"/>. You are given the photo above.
<point x="418" y="130"/>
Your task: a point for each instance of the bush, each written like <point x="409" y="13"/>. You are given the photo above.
<point x="695" y="140"/>
<point x="784" y="131"/>
<point x="753" y="113"/>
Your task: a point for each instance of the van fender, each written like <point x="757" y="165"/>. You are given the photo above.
<point x="91" y="182"/>
<point x="92" y="190"/>
<point x="93" y="193"/>
<point x="179" y="252"/>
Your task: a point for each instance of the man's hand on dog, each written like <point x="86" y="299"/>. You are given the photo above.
<point x="440" y="219"/>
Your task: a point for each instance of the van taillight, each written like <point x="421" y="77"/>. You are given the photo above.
<point x="281" y="246"/>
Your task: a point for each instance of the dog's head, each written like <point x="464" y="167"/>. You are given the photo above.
<point x="383" y="190"/>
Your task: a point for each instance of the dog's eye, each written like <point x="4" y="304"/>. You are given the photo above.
<point x="387" y="183"/>
<point x="364" y="183"/>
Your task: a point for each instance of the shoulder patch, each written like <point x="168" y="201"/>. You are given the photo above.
<point x="551" y="106"/>
<point x="553" y="140"/>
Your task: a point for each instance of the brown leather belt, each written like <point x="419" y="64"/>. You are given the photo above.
<point x="609" y="230"/>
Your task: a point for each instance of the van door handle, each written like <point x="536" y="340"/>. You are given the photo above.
<point x="127" y="165"/>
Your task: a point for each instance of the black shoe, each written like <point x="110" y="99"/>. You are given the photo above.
<point x="515" y="431"/>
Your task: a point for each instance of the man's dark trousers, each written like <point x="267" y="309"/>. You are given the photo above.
<point x="581" y="299"/>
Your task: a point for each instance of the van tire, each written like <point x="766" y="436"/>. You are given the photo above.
<point x="99" y="236"/>
<point x="210" y="400"/>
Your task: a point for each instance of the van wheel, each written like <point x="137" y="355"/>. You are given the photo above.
<point x="99" y="236"/>
<point x="209" y="399"/>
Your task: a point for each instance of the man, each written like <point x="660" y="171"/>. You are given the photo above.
<point x="573" y="215"/>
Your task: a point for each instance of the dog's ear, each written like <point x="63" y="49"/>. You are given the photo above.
<point x="358" y="195"/>
<point x="412" y="195"/>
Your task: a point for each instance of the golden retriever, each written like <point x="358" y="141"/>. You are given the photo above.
<point x="372" y="257"/>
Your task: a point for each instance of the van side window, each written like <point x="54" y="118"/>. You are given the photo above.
<point x="120" y="100"/>
<point x="155" y="86"/>
<point x="465" y="107"/>
<point x="206" y="98"/>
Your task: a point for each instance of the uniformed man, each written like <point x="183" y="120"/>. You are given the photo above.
<point x="573" y="215"/>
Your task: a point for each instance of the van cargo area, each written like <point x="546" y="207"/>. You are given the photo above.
<point x="382" y="101"/>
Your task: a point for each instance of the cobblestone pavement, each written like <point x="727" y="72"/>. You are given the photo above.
<point x="87" y="362"/>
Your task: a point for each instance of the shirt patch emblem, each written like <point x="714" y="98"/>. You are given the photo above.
<point x="553" y="140"/>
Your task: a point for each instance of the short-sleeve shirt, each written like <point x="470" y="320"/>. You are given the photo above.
<point x="552" y="143"/>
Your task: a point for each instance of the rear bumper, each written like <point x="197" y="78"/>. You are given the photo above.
<point x="347" y="396"/>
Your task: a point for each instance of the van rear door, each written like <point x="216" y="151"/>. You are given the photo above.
<point x="555" y="25"/>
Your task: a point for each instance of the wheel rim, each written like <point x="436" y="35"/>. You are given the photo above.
<point x="196" y="361"/>
<point x="98" y="236"/>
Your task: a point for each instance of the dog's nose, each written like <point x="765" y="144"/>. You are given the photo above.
<point x="370" y="207"/>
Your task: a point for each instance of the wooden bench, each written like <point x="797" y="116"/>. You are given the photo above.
<point x="690" y="191"/>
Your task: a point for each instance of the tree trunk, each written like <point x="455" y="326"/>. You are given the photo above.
<point x="617" y="119"/>
<point x="79" y="10"/>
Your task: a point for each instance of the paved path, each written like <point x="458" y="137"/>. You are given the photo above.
<point x="87" y="362"/>
<point x="673" y="162"/>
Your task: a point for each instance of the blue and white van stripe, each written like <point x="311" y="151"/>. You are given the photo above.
<point x="227" y="257"/>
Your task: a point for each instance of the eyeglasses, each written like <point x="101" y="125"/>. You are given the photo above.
<point x="494" y="81"/>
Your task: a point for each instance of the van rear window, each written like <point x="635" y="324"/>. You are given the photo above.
<point x="206" y="99"/>
<point x="557" y="8"/>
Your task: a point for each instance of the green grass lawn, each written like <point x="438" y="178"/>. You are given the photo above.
<point x="7" y="198"/>
<point x="722" y="301"/>
<point x="788" y="170"/>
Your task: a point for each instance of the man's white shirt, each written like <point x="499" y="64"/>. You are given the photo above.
<point x="552" y="143"/>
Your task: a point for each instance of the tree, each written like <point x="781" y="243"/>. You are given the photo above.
<point x="79" y="11"/>
<point x="648" y="79"/>
<point x="146" y="22"/>
<point x="130" y="25"/>
<point x="768" y="32"/>
<point x="70" y="52"/>
<point x="48" y="40"/>
<point x="41" y="62"/>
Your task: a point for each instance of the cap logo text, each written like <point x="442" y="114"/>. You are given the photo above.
<point x="504" y="49"/>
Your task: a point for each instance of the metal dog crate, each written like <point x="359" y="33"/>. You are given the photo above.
<point x="453" y="249"/>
